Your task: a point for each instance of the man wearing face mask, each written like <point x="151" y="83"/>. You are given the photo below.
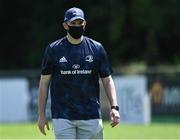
<point x="72" y="66"/>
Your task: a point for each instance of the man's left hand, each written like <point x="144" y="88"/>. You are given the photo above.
<point x="115" y="117"/>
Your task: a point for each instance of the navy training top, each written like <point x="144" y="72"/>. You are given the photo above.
<point x="75" y="71"/>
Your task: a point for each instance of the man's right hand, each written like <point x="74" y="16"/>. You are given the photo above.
<point x="42" y="122"/>
<point x="42" y="97"/>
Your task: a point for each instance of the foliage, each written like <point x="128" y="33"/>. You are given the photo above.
<point x="131" y="30"/>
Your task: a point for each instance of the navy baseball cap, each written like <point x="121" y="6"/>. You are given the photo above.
<point x="73" y="14"/>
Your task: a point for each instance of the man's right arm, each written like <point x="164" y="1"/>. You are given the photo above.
<point x="43" y="95"/>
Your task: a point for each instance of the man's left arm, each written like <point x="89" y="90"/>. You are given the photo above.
<point x="111" y="94"/>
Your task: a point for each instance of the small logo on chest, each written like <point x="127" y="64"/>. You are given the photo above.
<point x="63" y="59"/>
<point x="89" y="58"/>
<point x="76" y="66"/>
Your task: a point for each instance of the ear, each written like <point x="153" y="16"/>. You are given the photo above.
<point x="84" y="24"/>
<point x="65" y="26"/>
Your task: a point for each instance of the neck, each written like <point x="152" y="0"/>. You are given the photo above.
<point x="74" y="41"/>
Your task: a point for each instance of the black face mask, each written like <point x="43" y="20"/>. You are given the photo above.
<point x="76" y="31"/>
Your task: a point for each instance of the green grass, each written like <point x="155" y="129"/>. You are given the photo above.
<point x="155" y="130"/>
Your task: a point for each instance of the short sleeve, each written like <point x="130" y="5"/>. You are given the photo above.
<point x="104" y="67"/>
<point x="47" y="63"/>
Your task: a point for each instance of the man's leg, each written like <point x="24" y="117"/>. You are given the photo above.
<point x="90" y="129"/>
<point x="64" y="129"/>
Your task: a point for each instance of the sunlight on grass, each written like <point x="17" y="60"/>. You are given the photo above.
<point x="155" y="130"/>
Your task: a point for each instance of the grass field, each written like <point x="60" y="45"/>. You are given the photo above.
<point x="155" y="131"/>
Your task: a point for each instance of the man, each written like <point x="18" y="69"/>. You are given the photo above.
<point x="72" y="66"/>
